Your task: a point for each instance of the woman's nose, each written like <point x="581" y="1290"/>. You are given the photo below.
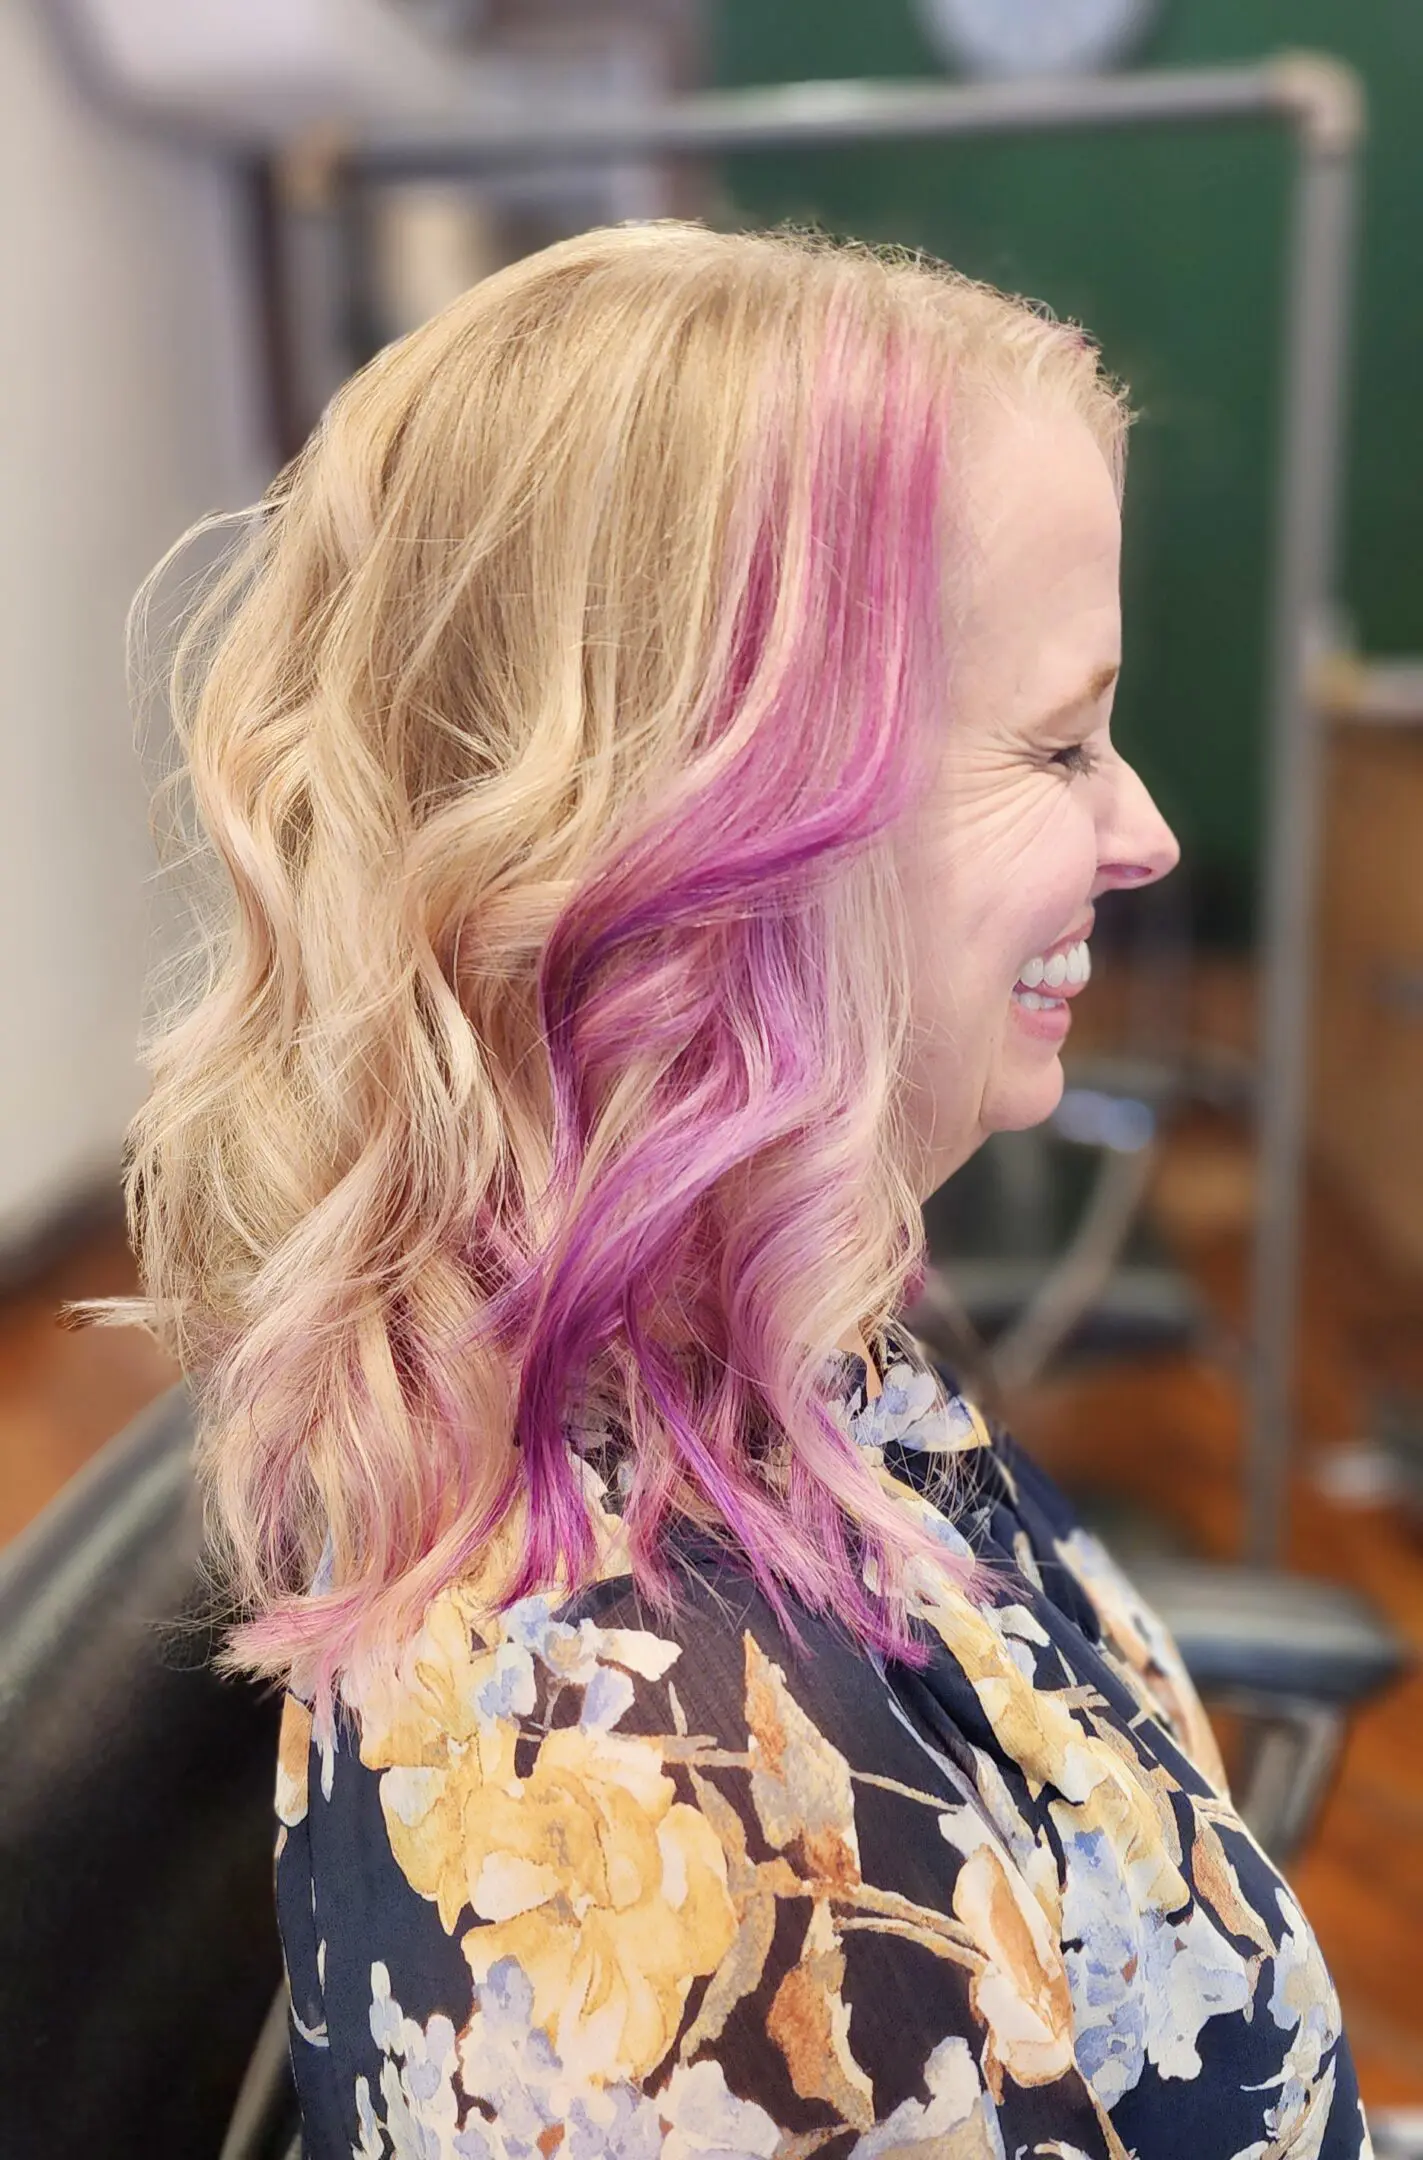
<point x="1140" y="847"/>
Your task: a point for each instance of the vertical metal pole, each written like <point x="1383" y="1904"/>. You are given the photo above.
<point x="1307" y="494"/>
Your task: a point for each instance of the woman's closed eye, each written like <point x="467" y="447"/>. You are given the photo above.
<point x="1076" y="758"/>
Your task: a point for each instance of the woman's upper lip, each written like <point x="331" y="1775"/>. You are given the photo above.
<point x="1074" y="937"/>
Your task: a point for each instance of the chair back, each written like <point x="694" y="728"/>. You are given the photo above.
<point x="138" y="1942"/>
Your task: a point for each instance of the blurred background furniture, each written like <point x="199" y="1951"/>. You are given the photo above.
<point x="1289" y="1656"/>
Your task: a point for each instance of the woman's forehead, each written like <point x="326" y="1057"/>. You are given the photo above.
<point x="1040" y="498"/>
<point x="1040" y="593"/>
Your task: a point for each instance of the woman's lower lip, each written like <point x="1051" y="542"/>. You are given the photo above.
<point x="1049" y="1026"/>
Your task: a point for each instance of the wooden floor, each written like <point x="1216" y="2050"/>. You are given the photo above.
<point x="1166" y="1434"/>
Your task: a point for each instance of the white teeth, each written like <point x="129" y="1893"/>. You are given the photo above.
<point x="1035" y="1003"/>
<point x="1073" y="966"/>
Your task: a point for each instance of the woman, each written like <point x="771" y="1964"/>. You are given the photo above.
<point x="658" y="740"/>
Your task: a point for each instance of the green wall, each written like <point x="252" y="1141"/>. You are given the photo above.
<point x="1169" y="246"/>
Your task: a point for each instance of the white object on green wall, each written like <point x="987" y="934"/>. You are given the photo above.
<point x="1034" y="37"/>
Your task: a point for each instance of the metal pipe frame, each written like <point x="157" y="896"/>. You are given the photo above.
<point x="1322" y="100"/>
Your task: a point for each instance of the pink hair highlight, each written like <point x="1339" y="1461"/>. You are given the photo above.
<point x="726" y="910"/>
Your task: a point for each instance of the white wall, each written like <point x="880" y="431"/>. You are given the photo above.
<point x="128" y="406"/>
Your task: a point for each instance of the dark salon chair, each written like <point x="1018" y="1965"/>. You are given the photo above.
<point x="139" y="1958"/>
<point x="1292" y="1657"/>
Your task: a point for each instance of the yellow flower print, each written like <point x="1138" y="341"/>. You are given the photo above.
<point x="1034" y="1725"/>
<point x="568" y="1844"/>
<point x="610" y="1892"/>
<point x="293" y="1758"/>
<point x="1022" y="1992"/>
<point x="1144" y="1652"/>
<point x="412" y="1714"/>
<point x="439" y="1690"/>
<point x="809" y="2020"/>
<point x="1031" y="1854"/>
<point x="800" y="1784"/>
<point x="1095" y="1771"/>
<point x="1036" y="1728"/>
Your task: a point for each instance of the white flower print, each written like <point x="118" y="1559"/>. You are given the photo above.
<point x="957" y="2116"/>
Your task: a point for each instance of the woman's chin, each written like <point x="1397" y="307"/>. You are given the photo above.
<point x="1023" y="1092"/>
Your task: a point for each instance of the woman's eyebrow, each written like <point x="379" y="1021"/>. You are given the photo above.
<point x="1096" y="686"/>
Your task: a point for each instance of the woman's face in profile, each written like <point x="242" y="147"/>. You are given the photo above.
<point x="1035" y="812"/>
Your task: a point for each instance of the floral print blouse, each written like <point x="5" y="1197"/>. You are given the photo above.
<point x="583" y="1887"/>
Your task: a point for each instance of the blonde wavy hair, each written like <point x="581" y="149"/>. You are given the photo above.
<point x="546" y="731"/>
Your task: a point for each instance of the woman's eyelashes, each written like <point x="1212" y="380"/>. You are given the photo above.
<point x="1075" y="758"/>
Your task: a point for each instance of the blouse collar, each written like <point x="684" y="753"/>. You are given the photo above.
<point x="915" y="1409"/>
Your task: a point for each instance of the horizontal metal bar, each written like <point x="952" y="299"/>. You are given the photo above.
<point x="1309" y="88"/>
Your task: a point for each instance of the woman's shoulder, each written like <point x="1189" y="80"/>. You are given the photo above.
<point x="1007" y="1506"/>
